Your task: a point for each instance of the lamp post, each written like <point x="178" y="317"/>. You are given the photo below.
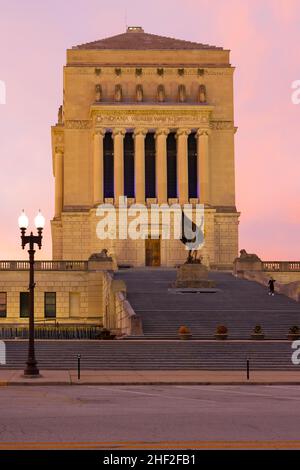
<point x="31" y="240"/>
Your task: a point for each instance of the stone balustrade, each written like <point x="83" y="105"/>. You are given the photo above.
<point x="281" y="266"/>
<point x="44" y="266"/>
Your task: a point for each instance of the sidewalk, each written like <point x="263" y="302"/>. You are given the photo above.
<point x="69" y="377"/>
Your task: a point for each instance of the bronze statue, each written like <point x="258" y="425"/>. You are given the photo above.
<point x="139" y="93"/>
<point x="118" y="93"/>
<point x="60" y="115"/>
<point x="181" y="93"/>
<point x="98" y="90"/>
<point x="161" y="93"/>
<point x="193" y="257"/>
<point x="202" y="94"/>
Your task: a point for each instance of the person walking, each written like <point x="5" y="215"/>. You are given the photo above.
<point x="271" y="285"/>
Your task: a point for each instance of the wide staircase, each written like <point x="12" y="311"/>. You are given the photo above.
<point x="238" y="304"/>
<point x="153" y="355"/>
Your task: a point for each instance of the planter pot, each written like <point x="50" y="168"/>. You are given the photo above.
<point x="221" y="336"/>
<point x="293" y="337"/>
<point x="257" y="336"/>
<point x="185" y="336"/>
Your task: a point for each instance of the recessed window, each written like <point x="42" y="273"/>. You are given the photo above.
<point x="50" y="304"/>
<point x="24" y="304"/>
<point x="3" y="304"/>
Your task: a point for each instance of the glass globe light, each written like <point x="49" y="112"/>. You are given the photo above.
<point x="39" y="221"/>
<point x="23" y="221"/>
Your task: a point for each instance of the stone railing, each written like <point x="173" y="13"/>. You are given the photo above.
<point x="281" y="266"/>
<point x="286" y="273"/>
<point x="44" y="265"/>
<point x="291" y="289"/>
<point x="128" y="322"/>
<point x="119" y="316"/>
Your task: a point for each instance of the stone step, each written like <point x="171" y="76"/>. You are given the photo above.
<point x="240" y="306"/>
<point x="153" y="355"/>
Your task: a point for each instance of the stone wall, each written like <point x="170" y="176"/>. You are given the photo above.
<point x="77" y="240"/>
<point x="88" y="285"/>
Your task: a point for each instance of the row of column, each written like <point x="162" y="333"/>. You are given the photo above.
<point x="161" y="165"/>
<point x="182" y="134"/>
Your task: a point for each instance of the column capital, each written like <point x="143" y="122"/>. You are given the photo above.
<point x="59" y="151"/>
<point x="119" y="131"/>
<point x="203" y="132"/>
<point x="100" y="131"/>
<point x="140" y="131"/>
<point x="183" y="131"/>
<point x="162" y="131"/>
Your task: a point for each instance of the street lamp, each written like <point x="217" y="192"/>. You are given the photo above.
<point x="31" y="240"/>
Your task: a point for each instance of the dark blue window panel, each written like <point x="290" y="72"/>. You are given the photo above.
<point x="150" y="165"/>
<point x="192" y="163"/>
<point x="172" y="165"/>
<point x="108" y="165"/>
<point x="129" y="165"/>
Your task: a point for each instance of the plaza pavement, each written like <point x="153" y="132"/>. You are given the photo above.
<point x="70" y="377"/>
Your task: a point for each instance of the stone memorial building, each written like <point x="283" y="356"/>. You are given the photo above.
<point x="146" y="117"/>
<point x="150" y="118"/>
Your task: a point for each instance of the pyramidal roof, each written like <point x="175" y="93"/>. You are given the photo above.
<point x="136" y="39"/>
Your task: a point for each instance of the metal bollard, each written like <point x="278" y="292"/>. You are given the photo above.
<point x="248" y="369"/>
<point x="78" y="366"/>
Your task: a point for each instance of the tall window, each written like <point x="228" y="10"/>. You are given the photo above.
<point x="50" y="305"/>
<point x="171" y="165"/>
<point x="3" y="304"/>
<point x="129" y="165"/>
<point x="108" y="147"/>
<point x="150" y="165"/>
<point x="192" y="158"/>
<point x="24" y="304"/>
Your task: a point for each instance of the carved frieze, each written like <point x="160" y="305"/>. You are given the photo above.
<point x="151" y="119"/>
<point x="78" y="124"/>
<point x="221" y="125"/>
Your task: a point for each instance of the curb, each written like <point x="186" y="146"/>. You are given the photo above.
<point x="143" y="383"/>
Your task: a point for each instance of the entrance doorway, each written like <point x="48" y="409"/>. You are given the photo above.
<point x="152" y="252"/>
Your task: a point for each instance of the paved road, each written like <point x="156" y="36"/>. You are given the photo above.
<point x="111" y="416"/>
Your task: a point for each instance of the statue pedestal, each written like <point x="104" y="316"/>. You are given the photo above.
<point x="193" y="275"/>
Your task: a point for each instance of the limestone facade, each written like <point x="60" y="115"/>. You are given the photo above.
<point x="126" y="91"/>
<point x="80" y="292"/>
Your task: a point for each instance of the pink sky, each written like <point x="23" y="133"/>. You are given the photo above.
<point x="264" y="37"/>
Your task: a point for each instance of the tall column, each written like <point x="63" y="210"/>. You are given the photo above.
<point x="139" y="165"/>
<point x="118" y="135"/>
<point x="161" y="165"/>
<point x="203" y="167"/>
<point x="59" y="173"/>
<point x="182" y="166"/>
<point x="98" y="166"/>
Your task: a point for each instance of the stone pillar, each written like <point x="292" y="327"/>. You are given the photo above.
<point x="161" y="165"/>
<point x="203" y="166"/>
<point x="98" y="166"/>
<point x="59" y="176"/>
<point x="182" y="166"/>
<point x="139" y="165"/>
<point x="118" y="135"/>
